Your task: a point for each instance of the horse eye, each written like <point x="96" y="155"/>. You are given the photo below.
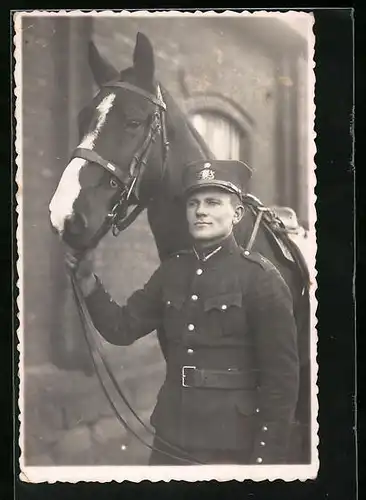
<point x="113" y="184"/>
<point x="133" y="123"/>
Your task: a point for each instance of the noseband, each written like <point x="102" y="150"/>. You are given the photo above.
<point x="118" y="218"/>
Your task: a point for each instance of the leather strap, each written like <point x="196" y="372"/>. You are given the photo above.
<point x="216" y="379"/>
<point x="138" y="90"/>
<point x="255" y="231"/>
<point x="93" y="156"/>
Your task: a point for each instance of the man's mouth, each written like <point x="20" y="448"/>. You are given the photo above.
<point x="201" y="223"/>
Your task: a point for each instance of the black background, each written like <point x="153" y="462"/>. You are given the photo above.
<point x="336" y="261"/>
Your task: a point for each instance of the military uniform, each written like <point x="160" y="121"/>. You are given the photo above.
<point x="228" y="335"/>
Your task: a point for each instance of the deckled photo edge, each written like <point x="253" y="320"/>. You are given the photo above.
<point x="164" y="473"/>
<point x="313" y="237"/>
<point x="18" y="335"/>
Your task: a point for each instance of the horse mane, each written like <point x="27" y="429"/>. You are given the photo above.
<point x="198" y="139"/>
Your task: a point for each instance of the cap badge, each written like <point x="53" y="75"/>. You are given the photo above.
<point x="206" y="175"/>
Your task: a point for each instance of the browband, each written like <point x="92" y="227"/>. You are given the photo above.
<point x="157" y="100"/>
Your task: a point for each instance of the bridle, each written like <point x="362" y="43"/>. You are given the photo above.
<point x="129" y="183"/>
<point x="117" y="220"/>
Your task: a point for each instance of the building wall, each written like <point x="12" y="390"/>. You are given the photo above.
<point x="54" y="85"/>
<point x="40" y="253"/>
<point x="40" y="167"/>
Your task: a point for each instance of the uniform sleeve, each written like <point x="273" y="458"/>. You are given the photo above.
<point x="274" y="330"/>
<point x="124" y="324"/>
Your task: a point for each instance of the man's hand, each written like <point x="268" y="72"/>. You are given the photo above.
<point x="82" y="268"/>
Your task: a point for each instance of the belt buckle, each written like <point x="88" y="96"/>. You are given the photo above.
<point x="184" y="368"/>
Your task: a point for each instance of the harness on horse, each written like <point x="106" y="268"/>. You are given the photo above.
<point x="119" y="219"/>
<point x="278" y="231"/>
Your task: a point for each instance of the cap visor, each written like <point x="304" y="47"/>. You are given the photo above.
<point x="213" y="184"/>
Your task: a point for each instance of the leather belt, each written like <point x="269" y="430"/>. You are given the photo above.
<point x="215" y="379"/>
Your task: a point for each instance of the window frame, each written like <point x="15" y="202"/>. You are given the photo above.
<point x="228" y="109"/>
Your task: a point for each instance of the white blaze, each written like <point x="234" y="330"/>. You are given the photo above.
<point x="103" y="109"/>
<point x="68" y="189"/>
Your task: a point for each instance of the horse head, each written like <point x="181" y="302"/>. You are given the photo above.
<point x="120" y="158"/>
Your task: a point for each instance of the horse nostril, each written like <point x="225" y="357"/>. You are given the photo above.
<point x="76" y="224"/>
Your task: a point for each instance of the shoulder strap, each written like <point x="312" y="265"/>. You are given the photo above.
<point x="258" y="258"/>
<point x="264" y="263"/>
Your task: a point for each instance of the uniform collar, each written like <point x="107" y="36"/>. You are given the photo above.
<point x="227" y="246"/>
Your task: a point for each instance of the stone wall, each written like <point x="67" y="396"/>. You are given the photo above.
<point x="69" y="420"/>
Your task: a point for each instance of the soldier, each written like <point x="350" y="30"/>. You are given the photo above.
<point x="229" y="334"/>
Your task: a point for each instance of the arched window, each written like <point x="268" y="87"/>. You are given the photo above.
<point x="224" y="137"/>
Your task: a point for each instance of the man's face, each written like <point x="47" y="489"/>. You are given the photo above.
<point x="211" y="214"/>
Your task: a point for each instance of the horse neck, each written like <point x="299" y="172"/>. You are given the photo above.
<point x="186" y="145"/>
<point x="166" y="214"/>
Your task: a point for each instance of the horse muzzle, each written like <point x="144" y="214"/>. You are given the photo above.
<point x="75" y="232"/>
<point x="76" y="224"/>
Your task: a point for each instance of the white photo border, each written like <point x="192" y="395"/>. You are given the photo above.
<point x="74" y="474"/>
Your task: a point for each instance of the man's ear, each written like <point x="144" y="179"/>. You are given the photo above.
<point x="238" y="214"/>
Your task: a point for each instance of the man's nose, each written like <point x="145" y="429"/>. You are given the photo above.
<point x="200" y="210"/>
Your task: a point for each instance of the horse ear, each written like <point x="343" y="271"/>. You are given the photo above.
<point x="102" y="70"/>
<point x="143" y="59"/>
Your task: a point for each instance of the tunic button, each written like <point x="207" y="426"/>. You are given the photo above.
<point x="190" y="327"/>
<point x="224" y="307"/>
<point x="259" y="460"/>
<point x="257" y="410"/>
<point x="194" y="297"/>
<point x="190" y="351"/>
<point x="199" y="272"/>
<point x="263" y="443"/>
<point x="168" y="302"/>
<point x="265" y="428"/>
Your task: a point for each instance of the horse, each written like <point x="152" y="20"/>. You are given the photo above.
<point x="134" y="144"/>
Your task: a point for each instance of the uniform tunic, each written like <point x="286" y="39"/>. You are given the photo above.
<point x="228" y="320"/>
